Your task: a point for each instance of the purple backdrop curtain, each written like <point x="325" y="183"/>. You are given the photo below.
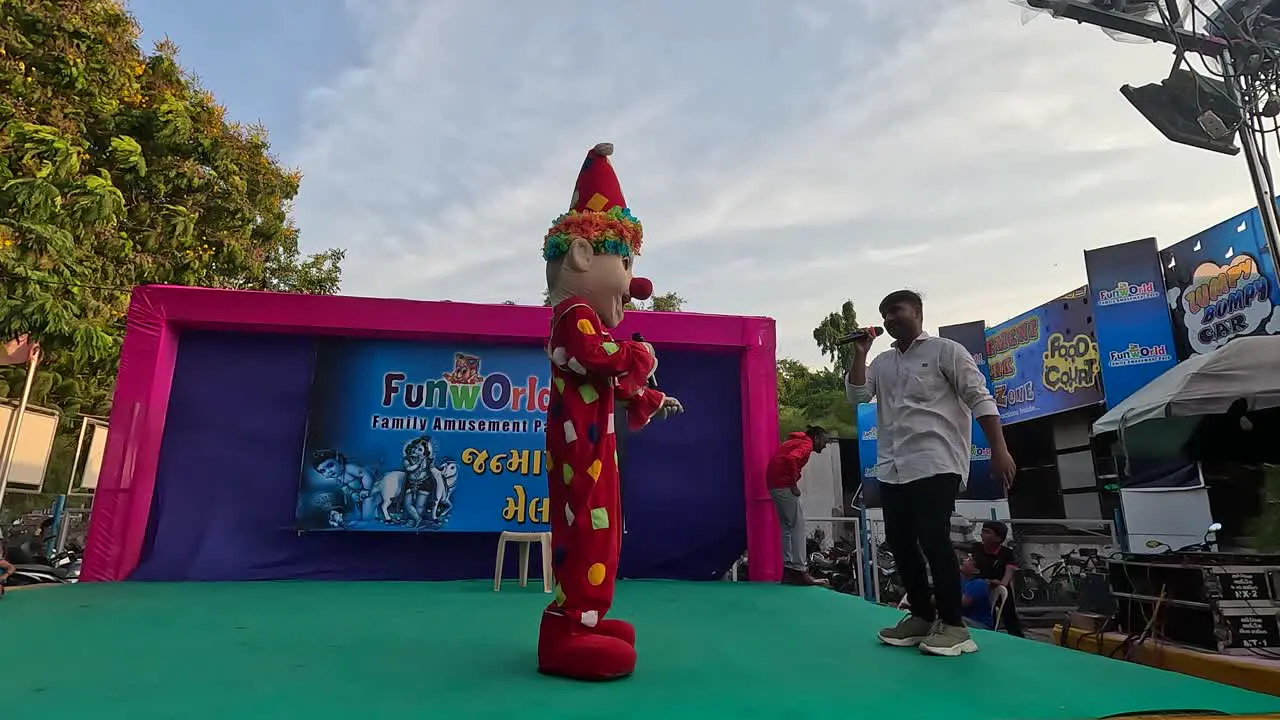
<point x="227" y="484"/>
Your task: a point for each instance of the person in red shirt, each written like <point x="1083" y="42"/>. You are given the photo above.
<point x="783" y="477"/>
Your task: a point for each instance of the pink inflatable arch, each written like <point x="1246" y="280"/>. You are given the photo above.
<point x="159" y="314"/>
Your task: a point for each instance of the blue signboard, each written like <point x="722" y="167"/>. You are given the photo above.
<point x="980" y="486"/>
<point x="1130" y="316"/>
<point x="866" y="423"/>
<point x="1221" y="285"/>
<point x="412" y="437"/>
<point x="1045" y="361"/>
<point x="973" y="336"/>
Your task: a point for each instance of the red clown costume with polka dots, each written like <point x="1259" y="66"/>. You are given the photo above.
<point x="590" y="371"/>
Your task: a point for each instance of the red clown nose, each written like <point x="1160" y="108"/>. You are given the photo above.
<point x="641" y="288"/>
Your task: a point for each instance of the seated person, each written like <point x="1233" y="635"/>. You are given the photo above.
<point x="975" y="600"/>
<point x="998" y="566"/>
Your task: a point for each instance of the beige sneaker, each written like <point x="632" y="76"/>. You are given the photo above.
<point x="949" y="641"/>
<point x="909" y="632"/>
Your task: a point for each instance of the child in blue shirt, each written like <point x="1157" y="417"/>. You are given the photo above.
<point x="975" y="601"/>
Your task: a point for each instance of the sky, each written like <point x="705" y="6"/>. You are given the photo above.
<point x="784" y="157"/>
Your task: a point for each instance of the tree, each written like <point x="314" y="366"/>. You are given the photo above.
<point x="832" y="328"/>
<point x="118" y="169"/>
<point x="807" y="397"/>
<point x="666" y="302"/>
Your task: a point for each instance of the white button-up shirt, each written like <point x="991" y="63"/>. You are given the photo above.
<point x="926" y="399"/>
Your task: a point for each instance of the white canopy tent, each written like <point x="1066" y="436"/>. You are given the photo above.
<point x="1157" y="420"/>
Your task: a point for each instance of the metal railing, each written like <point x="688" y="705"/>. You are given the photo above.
<point x="825" y="543"/>
<point x="1051" y="556"/>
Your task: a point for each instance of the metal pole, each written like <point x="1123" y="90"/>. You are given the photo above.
<point x="1258" y="170"/>
<point x="75" y="464"/>
<point x="15" y="423"/>
<point x="61" y="543"/>
<point x="59" y="517"/>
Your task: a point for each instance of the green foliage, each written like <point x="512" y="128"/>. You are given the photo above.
<point x="808" y="397"/>
<point x="1265" y="529"/>
<point x="832" y="328"/>
<point x="817" y="397"/>
<point x="666" y="302"/>
<point x="118" y="169"/>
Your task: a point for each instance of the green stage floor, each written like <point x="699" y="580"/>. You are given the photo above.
<point x="360" y="651"/>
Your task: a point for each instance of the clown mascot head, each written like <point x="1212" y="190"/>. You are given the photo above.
<point x="590" y="251"/>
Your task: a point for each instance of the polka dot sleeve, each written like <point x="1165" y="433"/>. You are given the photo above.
<point x="581" y="345"/>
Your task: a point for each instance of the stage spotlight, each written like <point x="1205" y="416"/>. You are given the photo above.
<point x="1189" y="109"/>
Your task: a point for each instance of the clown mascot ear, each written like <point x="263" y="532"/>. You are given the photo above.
<point x="590" y="253"/>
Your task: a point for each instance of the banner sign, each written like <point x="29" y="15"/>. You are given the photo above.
<point x="1221" y="285"/>
<point x="973" y="336"/>
<point x="422" y="436"/>
<point x="1130" y="316"/>
<point x="1045" y="361"/>
<point x="866" y="423"/>
<point x="980" y="486"/>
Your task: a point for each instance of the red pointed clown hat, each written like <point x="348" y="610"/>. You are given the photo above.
<point x="597" y="213"/>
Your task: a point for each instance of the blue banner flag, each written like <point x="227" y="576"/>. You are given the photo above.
<point x="1130" y="316"/>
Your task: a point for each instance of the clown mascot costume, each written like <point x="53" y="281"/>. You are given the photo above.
<point x="589" y="253"/>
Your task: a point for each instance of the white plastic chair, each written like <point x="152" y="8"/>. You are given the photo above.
<point x="999" y="596"/>
<point x="525" y="539"/>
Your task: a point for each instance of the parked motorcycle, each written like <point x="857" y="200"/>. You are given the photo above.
<point x="837" y="565"/>
<point x="891" y="589"/>
<point x="31" y="568"/>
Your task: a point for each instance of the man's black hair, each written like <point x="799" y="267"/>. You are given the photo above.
<point x="1000" y="529"/>
<point x="815" y="431"/>
<point x="908" y="297"/>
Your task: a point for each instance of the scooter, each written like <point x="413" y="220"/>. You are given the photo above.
<point x="61" y="569"/>
<point x="1205" y="545"/>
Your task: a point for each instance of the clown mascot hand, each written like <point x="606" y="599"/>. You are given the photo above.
<point x="671" y="406"/>
<point x="589" y="253"/>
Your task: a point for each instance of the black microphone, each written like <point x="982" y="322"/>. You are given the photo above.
<point x="873" y="332"/>
<point x="653" y="379"/>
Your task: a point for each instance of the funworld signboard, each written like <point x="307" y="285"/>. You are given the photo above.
<point x="1221" y="285"/>
<point x="1045" y="361"/>
<point x="1132" y="325"/>
<point x="412" y="437"/>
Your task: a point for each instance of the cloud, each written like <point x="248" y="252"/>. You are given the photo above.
<point x="782" y="159"/>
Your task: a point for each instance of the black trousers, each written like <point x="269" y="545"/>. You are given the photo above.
<point x="917" y="525"/>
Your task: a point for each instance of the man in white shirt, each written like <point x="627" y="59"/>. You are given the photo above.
<point x="927" y="390"/>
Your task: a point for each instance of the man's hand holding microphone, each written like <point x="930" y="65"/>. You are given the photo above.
<point x="861" y="340"/>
